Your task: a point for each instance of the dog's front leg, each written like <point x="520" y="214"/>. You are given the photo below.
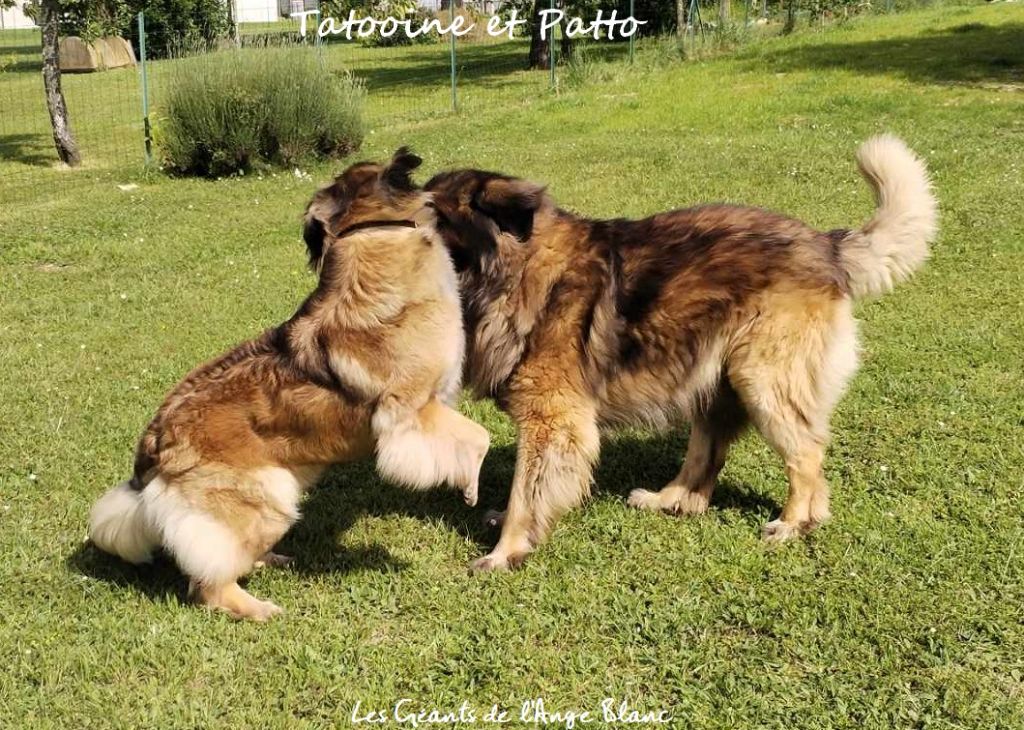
<point x="430" y="446"/>
<point x="558" y="445"/>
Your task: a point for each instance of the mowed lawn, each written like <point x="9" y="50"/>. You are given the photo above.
<point x="904" y="611"/>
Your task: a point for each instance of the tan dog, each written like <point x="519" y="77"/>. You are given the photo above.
<point x="370" y="361"/>
<point x="722" y="315"/>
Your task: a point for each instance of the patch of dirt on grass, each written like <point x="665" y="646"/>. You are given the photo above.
<point x="52" y="267"/>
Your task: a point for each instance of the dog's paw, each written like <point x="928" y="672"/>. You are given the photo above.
<point x="273" y="560"/>
<point x="671" y="500"/>
<point x="494" y="518"/>
<point x="777" y="532"/>
<point x="691" y="503"/>
<point x="263" y="611"/>
<point x="644" y="499"/>
<point x="496" y="563"/>
<point x="489" y="564"/>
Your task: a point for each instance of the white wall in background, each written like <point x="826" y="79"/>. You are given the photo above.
<point x="13" y="18"/>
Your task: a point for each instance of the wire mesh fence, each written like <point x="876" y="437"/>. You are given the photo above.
<point x="113" y="110"/>
<point x="104" y="110"/>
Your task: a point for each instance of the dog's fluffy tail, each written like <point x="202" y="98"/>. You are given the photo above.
<point x="118" y="525"/>
<point x="890" y="247"/>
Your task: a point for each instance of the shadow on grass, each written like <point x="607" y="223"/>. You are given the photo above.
<point x="474" y="64"/>
<point x="351" y="492"/>
<point x="488" y="67"/>
<point x="24" y="65"/>
<point x="973" y="53"/>
<point x="27" y="49"/>
<point x="28" y="149"/>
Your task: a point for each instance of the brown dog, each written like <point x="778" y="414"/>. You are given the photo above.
<point x="370" y="360"/>
<point x="720" y="314"/>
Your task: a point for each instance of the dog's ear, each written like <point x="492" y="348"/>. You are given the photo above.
<point x="313" y="232"/>
<point x="511" y="203"/>
<point x="398" y="173"/>
<point x="327" y="204"/>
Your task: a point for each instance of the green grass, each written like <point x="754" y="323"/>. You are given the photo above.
<point x="905" y="611"/>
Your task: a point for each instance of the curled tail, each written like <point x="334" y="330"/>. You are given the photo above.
<point x="117" y="525"/>
<point x="890" y="247"/>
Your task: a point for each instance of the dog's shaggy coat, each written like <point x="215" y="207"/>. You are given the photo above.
<point x="722" y="314"/>
<point x="370" y="361"/>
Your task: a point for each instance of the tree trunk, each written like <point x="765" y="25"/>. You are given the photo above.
<point x="681" y="18"/>
<point x="232" y="15"/>
<point x="790" y="18"/>
<point x="567" y="46"/>
<point x="724" y="12"/>
<point x="67" y="149"/>
<point x="539" y="48"/>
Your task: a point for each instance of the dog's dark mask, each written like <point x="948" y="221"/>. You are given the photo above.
<point x="475" y="207"/>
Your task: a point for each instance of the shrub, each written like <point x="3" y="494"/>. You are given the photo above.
<point x="584" y="68"/>
<point x="235" y="110"/>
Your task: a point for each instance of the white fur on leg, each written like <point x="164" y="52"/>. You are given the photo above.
<point x="447" y="449"/>
<point x="284" y="487"/>
<point x="117" y="525"/>
<point x="205" y="549"/>
<point x="422" y="461"/>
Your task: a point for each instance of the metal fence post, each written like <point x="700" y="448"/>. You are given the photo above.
<point x="319" y="39"/>
<point x="451" y="17"/>
<point x="632" y="38"/>
<point x="551" y="49"/>
<point x="147" y="130"/>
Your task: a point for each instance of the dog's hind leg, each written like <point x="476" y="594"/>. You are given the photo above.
<point x="789" y="379"/>
<point x="217" y="525"/>
<point x="711" y="435"/>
